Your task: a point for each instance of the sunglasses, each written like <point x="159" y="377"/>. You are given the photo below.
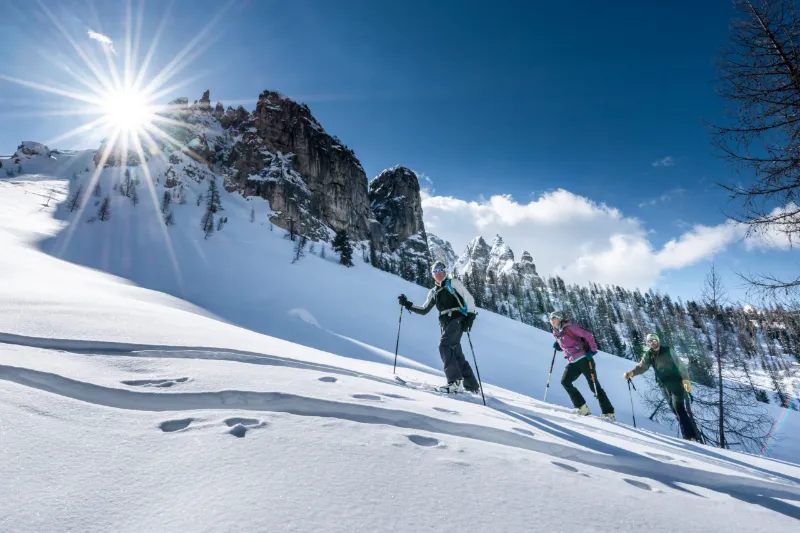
<point x="438" y="270"/>
<point x="651" y="341"/>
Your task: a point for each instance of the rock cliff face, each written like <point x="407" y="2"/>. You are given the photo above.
<point x="396" y="204"/>
<point x="441" y="250"/>
<point x="282" y="139"/>
<point x="313" y="182"/>
<point x="474" y="261"/>
<point x="397" y="207"/>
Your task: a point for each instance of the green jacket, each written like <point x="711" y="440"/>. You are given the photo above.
<point x="667" y="366"/>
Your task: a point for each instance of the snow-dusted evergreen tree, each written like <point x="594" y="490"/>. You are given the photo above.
<point x="208" y="223"/>
<point x="75" y="200"/>
<point x="165" y="201"/>
<point x="299" y="249"/>
<point x="98" y="191"/>
<point x="342" y="246"/>
<point x="104" y="213"/>
<point x="213" y="204"/>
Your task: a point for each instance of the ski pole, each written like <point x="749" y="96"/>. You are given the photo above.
<point x="397" y="344"/>
<point x="480" y="383"/>
<point x="630" y="384"/>
<point x="553" y="362"/>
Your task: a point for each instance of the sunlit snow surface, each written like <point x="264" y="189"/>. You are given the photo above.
<point x="263" y="398"/>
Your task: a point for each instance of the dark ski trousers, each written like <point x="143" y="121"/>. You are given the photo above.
<point x="572" y="372"/>
<point x="455" y="364"/>
<point x="677" y="398"/>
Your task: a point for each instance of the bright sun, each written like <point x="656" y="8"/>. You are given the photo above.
<point x="128" y="111"/>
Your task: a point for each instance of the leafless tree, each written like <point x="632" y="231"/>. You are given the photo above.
<point x="760" y="83"/>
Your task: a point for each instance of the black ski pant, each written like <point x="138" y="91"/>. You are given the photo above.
<point x="677" y="397"/>
<point x="586" y="367"/>
<point x="455" y="364"/>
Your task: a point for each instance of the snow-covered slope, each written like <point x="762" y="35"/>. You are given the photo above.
<point x="121" y="406"/>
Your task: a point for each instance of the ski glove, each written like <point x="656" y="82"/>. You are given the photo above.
<point x="402" y="300"/>
<point x="627" y="375"/>
<point x="687" y="386"/>
<point x="557" y="347"/>
<point x="466" y="324"/>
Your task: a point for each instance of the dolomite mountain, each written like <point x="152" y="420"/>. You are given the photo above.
<point x="315" y="184"/>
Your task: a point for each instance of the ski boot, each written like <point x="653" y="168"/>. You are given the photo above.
<point x="454" y="387"/>
<point x="610" y="416"/>
<point x="584" y="410"/>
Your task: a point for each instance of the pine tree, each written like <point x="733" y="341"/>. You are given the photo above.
<point x="252" y="214"/>
<point x="104" y="213"/>
<point x="208" y="223"/>
<point x="165" y="201"/>
<point x="299" y="248"/>
<point x="220" y="222"/>
<point x="342" y="245"/>
<point x="75" y="199"/>
<point x="168" y="219"/>
<point x="98" y="191"/>
<point x="214" y="202"/>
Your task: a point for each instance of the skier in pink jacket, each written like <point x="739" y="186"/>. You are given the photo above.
<point x="579" y="348"/>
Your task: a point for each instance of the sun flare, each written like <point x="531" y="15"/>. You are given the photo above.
<point x="127" y="111"/>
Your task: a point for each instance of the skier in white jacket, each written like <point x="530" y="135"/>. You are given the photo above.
<point x="456" y="308"/>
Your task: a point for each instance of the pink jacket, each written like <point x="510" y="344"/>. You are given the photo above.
<point x="573" y="342"/>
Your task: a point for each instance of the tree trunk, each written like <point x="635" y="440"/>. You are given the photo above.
<point x="719" y="382"/>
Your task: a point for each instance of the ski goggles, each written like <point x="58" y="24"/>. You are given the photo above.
<point x="437" y="270"/>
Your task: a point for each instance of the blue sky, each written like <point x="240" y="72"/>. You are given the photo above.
<point x="485" y="98"/>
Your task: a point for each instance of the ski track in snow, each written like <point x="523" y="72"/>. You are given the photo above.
<point x="515" y="412"/>
<point x="602" y="455"/>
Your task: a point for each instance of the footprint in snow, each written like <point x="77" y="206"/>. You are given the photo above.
<point x="170" y="426"/>
<point x="239" y="426"/>
<point x="565" y="466"/>
<point x="163" y="383"/>
<point x="367" y="397"/>
<point x="398" y="397"/>
<point x="443" y="410"/>
<point x="328" y="379"/>
<point x="426" y="442"/>
<point x="638" y="484"/>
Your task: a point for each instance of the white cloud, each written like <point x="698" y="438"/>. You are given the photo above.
<point x="579" y="239"/>
<point x="102" y="39"/>
<point x="666" y="197"/>
<point x="668" y="161"/>
<point x="772" y="238"/>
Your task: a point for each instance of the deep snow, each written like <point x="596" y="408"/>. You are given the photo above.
<point x="124" y="408"/>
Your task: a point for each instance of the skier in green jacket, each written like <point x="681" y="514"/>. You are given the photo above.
<point x="672" y="377"/>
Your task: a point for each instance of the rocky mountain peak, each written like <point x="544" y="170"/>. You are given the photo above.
<point x="474" y="260"/>
<point x="441" y="250"/>
<point x="501" y="257"/>
<point x="335" y="184"/>
<point x="526" y="266"/>
<point x="395" y="201"/>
